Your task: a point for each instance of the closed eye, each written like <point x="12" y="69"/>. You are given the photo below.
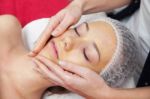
<point x="76" y="31"/>
<point x="85" y="55"/>
<point x="91" y="53"/>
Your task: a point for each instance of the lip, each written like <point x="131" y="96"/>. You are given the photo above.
<point x="55" y="49"/>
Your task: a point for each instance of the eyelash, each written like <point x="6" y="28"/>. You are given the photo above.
<point x="77" y="33"/>
<point x="84" y="53"/>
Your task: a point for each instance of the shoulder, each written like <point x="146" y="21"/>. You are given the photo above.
<point x="8" y="23"/>
<point x="10" y="34"/>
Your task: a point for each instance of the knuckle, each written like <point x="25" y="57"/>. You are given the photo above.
<point x="60" y="28"/>
<point x="71" y="20"/>
<point x="54" y="19"/>
<point x="57" y="18"/>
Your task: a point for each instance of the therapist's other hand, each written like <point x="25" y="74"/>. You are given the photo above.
<point x="58" y="24"/>
<point x="75" y="78"/>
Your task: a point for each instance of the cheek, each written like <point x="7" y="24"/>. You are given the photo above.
<point x="74" y="57"/>
<point x="96" y="68"/>
<point x="77" y="58"/>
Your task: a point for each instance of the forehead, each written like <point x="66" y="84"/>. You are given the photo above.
<point x="104" y="36"/>
<point x="101" y="31"/>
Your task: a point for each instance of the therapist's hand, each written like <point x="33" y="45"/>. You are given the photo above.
<point x="75" y="78"/>
<point x="58" y="24"/>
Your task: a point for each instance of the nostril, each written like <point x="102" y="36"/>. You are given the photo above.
<point x="65" y="44"/>
<point x="68" y="43"/>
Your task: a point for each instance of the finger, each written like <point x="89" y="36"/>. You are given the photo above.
<point x="52" y="66"/>
<point x="64" y="75"/>
<point x="61" y="75"/>
<point x="64" y="25"/>
<point x="46" y="34"/>
<point x="47" y="73"/>
<point x="69" y="79"/>
<point x="37" y="69"/>
<point x="32" y="54"/>
<point x="77" y="69"/>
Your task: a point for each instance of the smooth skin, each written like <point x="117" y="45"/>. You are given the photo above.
<point x="18" y="79"/>
<point x="84" y="7"/>
<point x="86" y="45"/>
<point x="86" y="82"/>
<point x="71" y="15"/>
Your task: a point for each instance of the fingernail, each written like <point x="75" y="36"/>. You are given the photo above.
<point x="62" y="63"/>
<point x="31" y="54"/>
<point x="54" y="33"/>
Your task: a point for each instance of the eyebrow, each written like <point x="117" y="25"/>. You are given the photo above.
<point x="95" y="46"/>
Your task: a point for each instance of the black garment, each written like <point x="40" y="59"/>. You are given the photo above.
<point x="128" y="11"/>
<point x="145" y="76"/>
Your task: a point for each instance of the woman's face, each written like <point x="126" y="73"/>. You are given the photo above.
<point x="90" y="45"/>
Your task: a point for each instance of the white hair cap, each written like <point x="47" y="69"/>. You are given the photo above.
<point x="124" y="60"/>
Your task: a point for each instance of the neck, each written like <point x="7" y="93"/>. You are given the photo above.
<point x="13" y="90"/>
<point x="20" y="81"/>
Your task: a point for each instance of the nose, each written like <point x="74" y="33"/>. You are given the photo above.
<point x="68" y="43"/>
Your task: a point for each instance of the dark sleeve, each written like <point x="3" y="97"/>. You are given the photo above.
<point x="145" y="76"/>
<point x="128" y="11"/>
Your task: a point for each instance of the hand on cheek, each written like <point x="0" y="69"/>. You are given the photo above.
<point x="74" y="78"/>
<point x="58" y="24"/>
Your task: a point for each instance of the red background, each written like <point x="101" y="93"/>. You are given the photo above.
<point x="28" y="10"/>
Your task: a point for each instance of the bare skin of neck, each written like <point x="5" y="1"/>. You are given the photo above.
<point x="18" y="80"/>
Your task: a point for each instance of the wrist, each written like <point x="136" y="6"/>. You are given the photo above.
<point x="79" y="3"/>
<point x="104" y="93"/>
<point x="107" y="93"/>
<point x="90" y="6"/>
<point x="115" y="93"/>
